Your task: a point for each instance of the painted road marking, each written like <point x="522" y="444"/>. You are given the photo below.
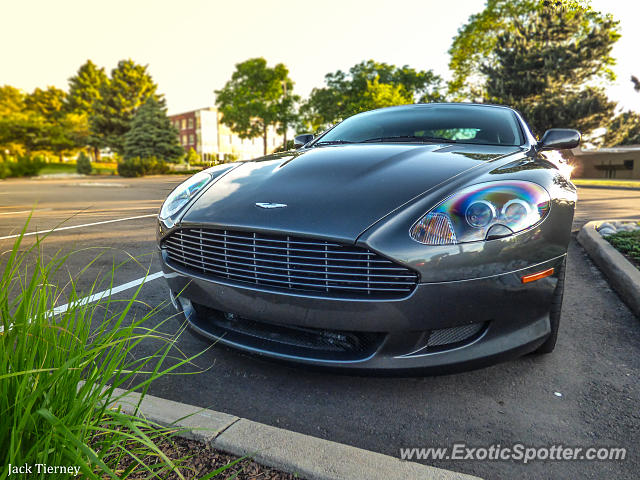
<point x="80" y="226"/>
<point x="105" y="293"/>
<point x="25" y="211"/>
<point x="99" y="296"/>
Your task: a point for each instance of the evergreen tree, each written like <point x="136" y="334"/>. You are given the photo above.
<point x="84" y="93"/>
<point x="546" y="67"/>
<point x="151" y="134"/>
<point x="128" y="88"/>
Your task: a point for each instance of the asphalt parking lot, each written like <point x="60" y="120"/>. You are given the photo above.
<point x="595" y="366"/>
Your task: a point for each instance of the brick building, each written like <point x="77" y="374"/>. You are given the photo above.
<point x="203" y="131"/>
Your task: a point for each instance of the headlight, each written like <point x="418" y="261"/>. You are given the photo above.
<point x="183" y="193"/>
<point x="483" y="212"/>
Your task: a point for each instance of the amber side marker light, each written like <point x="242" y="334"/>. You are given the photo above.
<point x="537" y="276"/>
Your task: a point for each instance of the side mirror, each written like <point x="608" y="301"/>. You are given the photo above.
<point x="559" y="139"/>
<point x="301" y="140"/>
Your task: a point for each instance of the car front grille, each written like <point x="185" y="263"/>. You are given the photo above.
<point x="287" y="262"/>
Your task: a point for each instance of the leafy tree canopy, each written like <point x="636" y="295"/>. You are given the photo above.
<point x="476" y="40"/>
<point x="368" y="85"/>
<point x="152" y="134"/>
<point x="547" y="66"/>
<point x="254" y="99"/>
<point x="11" y="100"/>
<point x="50" y="103"/>
<point x="624" y="129"/>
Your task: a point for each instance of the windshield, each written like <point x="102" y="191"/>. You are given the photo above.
<point x="430" y="123"/>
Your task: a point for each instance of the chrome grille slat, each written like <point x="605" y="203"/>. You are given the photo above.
<point x="341" y="250"/>
<point x="273" y="254"/>
<point x="287" y="262"/>
<point x="324" y="278"/>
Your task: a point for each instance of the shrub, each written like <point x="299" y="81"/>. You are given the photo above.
<point x="138" y="167"/>
<point x="83" y="164"/>
<point x="627" y="243"/>
<point x="23" y="166"/>
<point x="5" y="171"/>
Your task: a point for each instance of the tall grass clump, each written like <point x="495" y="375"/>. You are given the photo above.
<point x="59" y="369"/>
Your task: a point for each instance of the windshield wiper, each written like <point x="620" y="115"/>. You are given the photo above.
<point x="410" y="138"/>
<point x="332" y="142"/>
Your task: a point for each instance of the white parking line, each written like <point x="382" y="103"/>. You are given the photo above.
<point x="106" y="293"/>
<point x="99" y="296"/>
<point x="25" y="211"/>
<point x="80" y="226"/>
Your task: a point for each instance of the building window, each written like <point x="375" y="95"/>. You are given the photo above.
<point x="184" y="139"/>
<point x="628" y="164"/>
<point x="191" y="139"/>
<point x="184" y="124"/>
<point x="191" y="123"/>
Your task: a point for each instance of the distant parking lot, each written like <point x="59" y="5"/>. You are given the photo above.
<point x="585" y="394"/>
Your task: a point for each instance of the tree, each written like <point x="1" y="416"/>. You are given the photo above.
<point x="192" y="157"/>
<point x="254" y="99"/>
<point x="83" y="164"/>
<point x="367" y="85"/>
<point x="476" y="40"/>
<point x="84" y="93"/>
<point x="49" y="103"/>
<point x="547" y="66"/>
<point x="11" y="100"/>
<point x="152" y="134"/>
<point x="13" y="122"/>
<point x="129" y="86"/>
<point x="624" y="129"/>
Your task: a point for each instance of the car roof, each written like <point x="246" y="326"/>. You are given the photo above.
<point x="443" y="104"/>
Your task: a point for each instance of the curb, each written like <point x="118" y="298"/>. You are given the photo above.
<point x="310" y="457"/>
<point x="623" y="276"/>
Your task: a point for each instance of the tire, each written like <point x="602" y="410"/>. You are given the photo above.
<point x="555" y="313"/>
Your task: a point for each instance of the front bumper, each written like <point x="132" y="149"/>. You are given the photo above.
<point x="501" y="317"/>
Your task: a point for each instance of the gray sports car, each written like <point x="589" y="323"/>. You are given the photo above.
<point x="427" y="237"/>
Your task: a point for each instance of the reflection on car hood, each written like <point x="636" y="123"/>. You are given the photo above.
<point x="334" y="192"/>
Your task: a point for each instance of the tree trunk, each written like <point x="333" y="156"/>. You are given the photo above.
<point x="96" y="154"/>
<point x="264" y="139"/>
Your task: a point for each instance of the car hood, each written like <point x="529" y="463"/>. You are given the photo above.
<point x="334" y="191"/>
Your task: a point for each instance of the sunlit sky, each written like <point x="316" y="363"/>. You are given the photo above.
<point x="191" y="46"/>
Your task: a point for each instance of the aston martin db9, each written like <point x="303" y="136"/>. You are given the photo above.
<point x="419" y="238"/>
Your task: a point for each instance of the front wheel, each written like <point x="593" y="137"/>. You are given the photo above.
<point x="555" y="313"/>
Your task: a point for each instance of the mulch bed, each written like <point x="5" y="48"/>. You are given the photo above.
<point x="203" y="459"/>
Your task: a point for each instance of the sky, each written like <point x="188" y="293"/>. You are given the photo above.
<point x="192" y="46"/>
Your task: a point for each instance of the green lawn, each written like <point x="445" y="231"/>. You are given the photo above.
<point x="605" y="182"/>
<point x="99" y="168"/>
<point x="54" y="168"/>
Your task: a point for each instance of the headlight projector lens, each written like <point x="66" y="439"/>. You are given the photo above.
<point x="515" y="211"/>
<point x="479" y="214"/>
